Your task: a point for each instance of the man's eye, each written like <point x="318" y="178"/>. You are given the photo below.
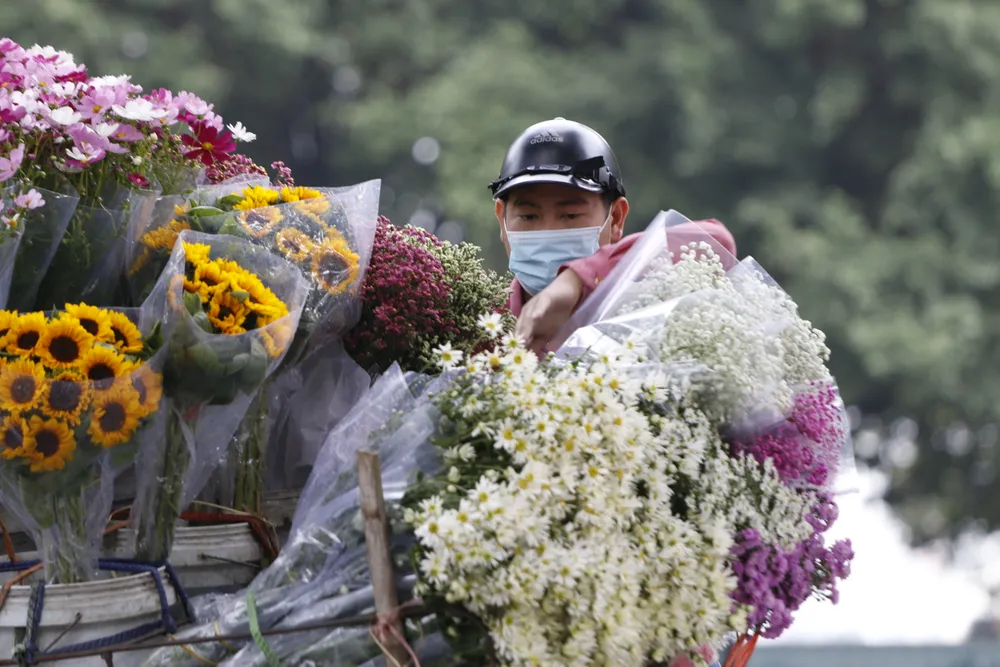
<point x="527" y="216"/>
<point x="573" y="216"/>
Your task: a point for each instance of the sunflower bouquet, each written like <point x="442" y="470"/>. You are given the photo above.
<point x="230" y="311"/>
<point x="76" y="387"/>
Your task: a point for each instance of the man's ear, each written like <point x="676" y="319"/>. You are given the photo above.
<point x="619" y="211"/>
<point x="500" y="207"/>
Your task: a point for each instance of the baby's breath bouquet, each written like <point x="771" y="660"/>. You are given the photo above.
<point x="230" y="310"/>
<point x="76" y="387"/>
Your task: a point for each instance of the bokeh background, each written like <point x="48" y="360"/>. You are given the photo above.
<point x="852" y="146"/>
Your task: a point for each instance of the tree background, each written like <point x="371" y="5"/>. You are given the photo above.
<point x="853" y="147"/>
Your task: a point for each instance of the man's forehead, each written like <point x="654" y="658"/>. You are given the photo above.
<point x="551" y="194"/>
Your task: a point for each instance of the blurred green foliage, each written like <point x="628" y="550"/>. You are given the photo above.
<point x="852" y="146"/>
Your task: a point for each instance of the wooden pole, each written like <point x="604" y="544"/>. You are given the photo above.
<point x="379" y="555"/>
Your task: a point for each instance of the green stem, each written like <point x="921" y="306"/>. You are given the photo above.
<point x="250" y="467"/>
<point x="65" y="548"/>
<point x="156" y="525"/>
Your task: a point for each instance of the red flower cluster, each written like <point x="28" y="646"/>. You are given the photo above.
<point x="405" y="303"/>
<point x="233" y="166"/>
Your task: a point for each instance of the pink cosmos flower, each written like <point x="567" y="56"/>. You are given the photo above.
<point x="8" y="48"/>
<point x="138" y="180"/>
<point x="29" y="200"/>
<point x="83" y="154"/>
<point x="9" y="165"/>
<point x="207" y="144"/>
<point x="96" y="103"/>
<point x="127" y="134"/>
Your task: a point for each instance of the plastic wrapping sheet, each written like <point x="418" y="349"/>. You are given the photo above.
<point x="633" y="311"/>
<point x="210" y="381"/>
<point x="85" y="422"/>
<point x="322" y="572"/>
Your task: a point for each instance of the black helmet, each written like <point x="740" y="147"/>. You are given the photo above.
<point x="560" y="151"/>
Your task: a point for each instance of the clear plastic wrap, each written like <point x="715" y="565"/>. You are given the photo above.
<point x="307" y="401"/>
<point x="210" y="376"/>
<point x="650" y="307"/>
<point x="322" y="572"/>
<point x="150" y="239"/>
<point x="74" y="406"/>
<point x="41" y="231"/>
<point x="89" y="260"/>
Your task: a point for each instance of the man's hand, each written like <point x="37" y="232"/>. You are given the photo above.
<point x="546" y="313"/>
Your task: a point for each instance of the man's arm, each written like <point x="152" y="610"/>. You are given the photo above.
<point x="545" y="314"/>
<point x="594" y="269"/>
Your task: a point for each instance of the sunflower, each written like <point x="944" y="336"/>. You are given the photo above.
<point x="65" y="397"/>
<point x="7" y="319"/>
<point x="52" y="444"/>
<point x="334" y="265"/>
<point x="314" y="207"/>
<point x="294" y="244"/>
<point x="141" y="261"/>
<point x="93" y="319"/>
<point x="63" y="343"/>
<point x="21" y="384"/>
<point x="209" y="278"/>
<point x="175" y="288"/>
<point x="256" y="197"/>
<point x="25" y="332"/>
<point x="299" y="194"/>
<point x="258" y="223"/>
<point x="227" y="313"/>
<point x="277" y="338"/>
<point x="260" y="297"/>
<point x="197" y="253"/>
<point x="101" y="365"/>
<point x="14" y="435"/>
<point x="148" y="385"/>
<point x="125" y="335"/>
<point x="164" y="238"/>
<point x="115" y="416"/>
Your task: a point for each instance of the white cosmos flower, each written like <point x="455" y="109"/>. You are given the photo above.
<point x="64" y="116"/>
<point x="137" y="109"/>
<point x="241" y="133"/>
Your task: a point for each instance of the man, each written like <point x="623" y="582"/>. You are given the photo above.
<point x="561" y="206"/>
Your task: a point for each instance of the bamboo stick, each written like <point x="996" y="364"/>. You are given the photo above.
<point x="379" y="556"/>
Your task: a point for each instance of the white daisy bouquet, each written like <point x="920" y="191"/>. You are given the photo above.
<point x="659" y="487"/>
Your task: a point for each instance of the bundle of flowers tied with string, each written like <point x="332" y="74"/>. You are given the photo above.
<point x="83" y="158"/>
<point x="230" y="310"/>
<point x="77" y="390"/>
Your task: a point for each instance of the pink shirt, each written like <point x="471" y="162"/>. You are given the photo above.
<point x="592" y="270"/>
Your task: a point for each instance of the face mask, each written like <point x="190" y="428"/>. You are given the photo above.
<point x="535" y="257"/>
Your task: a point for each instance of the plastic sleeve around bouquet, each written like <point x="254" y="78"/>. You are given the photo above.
<point x="329" y="238"/>
<point x="324" y="561"/>
<point x="627" y="287"/>
<point x="74" y="407"/>
<point x="210" y="380"/>
<point x="149" y="239"/>
<point x="41" y="231"/>
<point x="308" y="400"/>
<point x="90" y="258"/>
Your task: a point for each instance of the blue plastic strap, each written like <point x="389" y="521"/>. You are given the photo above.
<point x="166" y="621"/>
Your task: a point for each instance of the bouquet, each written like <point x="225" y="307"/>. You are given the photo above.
<point x="230" y="310"/>
<point x="420" y="293"/>
<point x="660" y="484"/>
<point x="97" y="152"/>
<point x="327" y="233"/>
<point x="76" y="389"/>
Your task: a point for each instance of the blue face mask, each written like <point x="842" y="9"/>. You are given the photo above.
<point x="535" y="257"/>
